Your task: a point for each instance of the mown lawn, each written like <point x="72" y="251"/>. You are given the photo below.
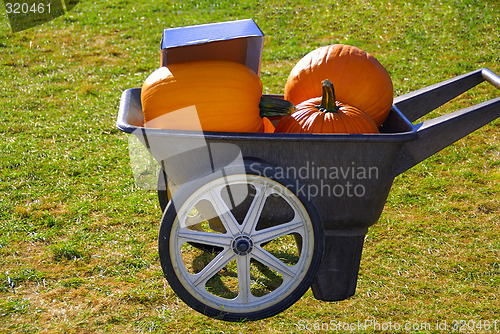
<point x="78" y="238"/>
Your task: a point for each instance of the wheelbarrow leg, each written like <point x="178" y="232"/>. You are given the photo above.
<point x="337" y="275"/>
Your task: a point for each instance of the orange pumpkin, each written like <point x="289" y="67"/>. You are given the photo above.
<point x="268" y="125"/>
<point x="325" y="115"/>
<point x="359" y="79"/>
<point x="203" y="95"/>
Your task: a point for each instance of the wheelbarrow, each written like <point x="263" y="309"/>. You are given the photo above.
<point x="252" y="220"/>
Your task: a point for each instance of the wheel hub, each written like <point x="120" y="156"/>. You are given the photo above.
<point x="242" y="245"/>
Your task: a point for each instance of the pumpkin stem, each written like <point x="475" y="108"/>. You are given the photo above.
<point x="328" y="98"/>
<point x="271" y="106"/>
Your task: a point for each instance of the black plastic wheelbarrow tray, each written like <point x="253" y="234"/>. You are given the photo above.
<point x="236" y="194"/>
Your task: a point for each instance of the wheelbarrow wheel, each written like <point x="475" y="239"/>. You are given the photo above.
<point x="166" y="188"/>
<point x="164" y="194"/>
<point x="258" y="270"/>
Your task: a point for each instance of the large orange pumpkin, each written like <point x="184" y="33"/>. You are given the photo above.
<point x="325" y="115"/>
<point x="359" y="79"/>
<point x="203" y="95"/>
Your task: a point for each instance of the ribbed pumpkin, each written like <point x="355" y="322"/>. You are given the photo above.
<point x="359" y="79"/>
<point x="213" y="95"/>
<point x="325" y="115"/>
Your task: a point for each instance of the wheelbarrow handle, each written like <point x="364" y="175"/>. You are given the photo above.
<point x="435" y="134"/>
<point x="420" y="102"/>
<point x="491" y="77"/>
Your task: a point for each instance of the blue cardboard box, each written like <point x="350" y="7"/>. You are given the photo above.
<point x="241" y="41"/>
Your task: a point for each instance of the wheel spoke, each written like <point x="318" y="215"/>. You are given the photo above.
<point x="213" y="267"/>
<point x="207" y="238"/>
<point x="272" y="262"/>
<point x="277" y="231"/>
<point x="253" y="214"/>
<point x="243" y="267"/>
<point x="230" y="223"/>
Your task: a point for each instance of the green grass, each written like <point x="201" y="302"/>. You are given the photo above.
<point x="78" y="239"/>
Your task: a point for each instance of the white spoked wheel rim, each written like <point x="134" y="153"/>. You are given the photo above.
<point x="241" y="243"/>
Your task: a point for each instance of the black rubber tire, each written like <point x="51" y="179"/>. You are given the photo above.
<point x="181" y="196"/>
<point x="163" y="191"/>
